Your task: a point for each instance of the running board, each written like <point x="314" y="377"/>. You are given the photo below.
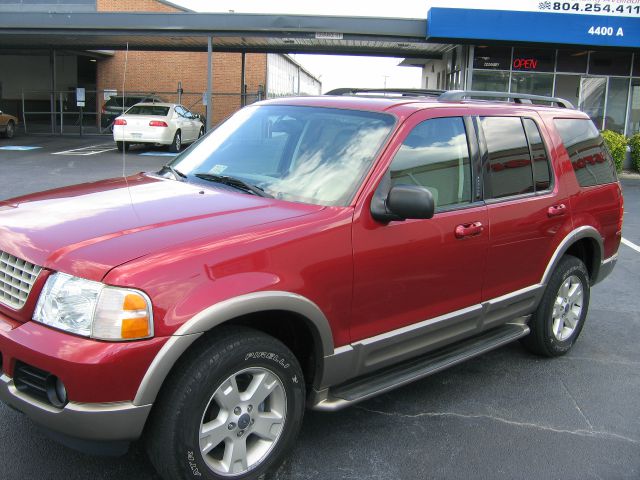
<point x="362" y="388"/>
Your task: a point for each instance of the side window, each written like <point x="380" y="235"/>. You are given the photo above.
<point x="591" y="161"/>
<point x="541" y="168"/>
<point x="180" y="111"/>
<point x="509" y="167"/>
<point x="435" y="155"/>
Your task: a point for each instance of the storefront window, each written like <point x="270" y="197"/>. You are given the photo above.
<point x="574" y="61"/>
<point x="634" y="111"/>
<point x="610" y="63"/>
<point x="492" y="58"/>
<point x="636" y="65"/>
<point x="490" y="81"/>
<point x="616" y="104"/>
<point x="533" y="59"/>
<point x="534" y="83"/>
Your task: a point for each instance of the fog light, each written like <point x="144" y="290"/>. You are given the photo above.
<point x="56" y="392"/>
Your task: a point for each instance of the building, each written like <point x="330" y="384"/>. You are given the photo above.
<point x="47" y="102"/>
<point x="557" y="49"/>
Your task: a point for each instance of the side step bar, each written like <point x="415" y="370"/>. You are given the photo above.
<point x="362" y="388"/>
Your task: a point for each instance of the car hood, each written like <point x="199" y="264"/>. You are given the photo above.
<point x="86" y="230"/>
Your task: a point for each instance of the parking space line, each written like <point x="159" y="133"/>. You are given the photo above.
<point x="631" y="245"/>
<point x="90" y="150"/>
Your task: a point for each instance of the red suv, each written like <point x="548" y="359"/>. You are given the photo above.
<point x="309" y="252"/>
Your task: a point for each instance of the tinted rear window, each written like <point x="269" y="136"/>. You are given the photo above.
<point x="509" y="164"/>
<point x="591" y="161"/>
<point x="148" y="110"/>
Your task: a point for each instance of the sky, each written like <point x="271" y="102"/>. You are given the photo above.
<point x="336" y="70"/>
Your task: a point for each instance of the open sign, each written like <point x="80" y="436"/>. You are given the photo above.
<point x="525" y="63"/>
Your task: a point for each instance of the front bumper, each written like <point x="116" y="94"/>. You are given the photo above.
<point x="101" y="379"/>
<point x="102" y="422"/>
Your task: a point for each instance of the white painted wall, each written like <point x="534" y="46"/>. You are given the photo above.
<point x="285" y="77"/>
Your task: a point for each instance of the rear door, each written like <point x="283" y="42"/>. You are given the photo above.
<point x="415" y="270"/>
<point x="528" y="214"/>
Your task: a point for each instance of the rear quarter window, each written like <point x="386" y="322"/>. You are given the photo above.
<point x="591" y="160"/>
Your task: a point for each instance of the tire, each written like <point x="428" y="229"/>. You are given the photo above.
<point x="176" y="145"/>
<point x="201" y="132"/>
<point x="558" y="320"/>
<point x="11" y="129"/>
<point x="122" y="146"/>
<point x="197" y="395"/>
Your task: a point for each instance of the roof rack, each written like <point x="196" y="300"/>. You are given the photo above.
<point x="404" y="92"/>
<point x="454" y="95"/>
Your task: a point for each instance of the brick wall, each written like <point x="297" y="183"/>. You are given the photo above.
<point x="161" y="71"/>
<point x="134" y="6"/>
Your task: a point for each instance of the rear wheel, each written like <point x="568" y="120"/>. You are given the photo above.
<point x="558" y="321"/>
<point x="176" y="145"/>
<point x="122" y="146"/>
<point x="232" y="410"/>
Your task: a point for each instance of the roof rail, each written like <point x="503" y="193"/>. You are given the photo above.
<point x="404" y="92"/>
<point x="454" y="95"/>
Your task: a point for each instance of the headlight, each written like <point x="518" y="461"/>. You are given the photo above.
<point x="92" y="309"/>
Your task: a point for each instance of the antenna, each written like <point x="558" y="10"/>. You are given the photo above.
<point x="124" y="101"/>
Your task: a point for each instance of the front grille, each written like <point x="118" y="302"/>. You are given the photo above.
<point x="31" y="380"/>
<point x="16" y="279"/>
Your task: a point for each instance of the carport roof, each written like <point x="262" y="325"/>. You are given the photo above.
<point x="230" y="32"/>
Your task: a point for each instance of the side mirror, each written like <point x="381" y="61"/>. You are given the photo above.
<point x="403" y="202"/>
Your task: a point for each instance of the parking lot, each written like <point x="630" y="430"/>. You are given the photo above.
<point x="504" y="415"/>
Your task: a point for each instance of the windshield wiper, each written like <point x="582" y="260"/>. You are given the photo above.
<point x="178" y="175"/>
<point x="234" y="182"/>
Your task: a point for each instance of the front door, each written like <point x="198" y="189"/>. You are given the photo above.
<point x="414" y="270"/>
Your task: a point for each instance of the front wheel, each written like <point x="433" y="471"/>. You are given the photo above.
<point x="232" y="410"/>
<point x="558" y="321"/>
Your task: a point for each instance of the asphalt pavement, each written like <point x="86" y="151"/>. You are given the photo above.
<point x="504" y="415"/>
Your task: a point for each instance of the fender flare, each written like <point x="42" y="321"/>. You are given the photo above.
<point x="220" y="313"/>
<point x="575" y="235"/>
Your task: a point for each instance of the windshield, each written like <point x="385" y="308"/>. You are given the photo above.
<point x="303" y="154"/>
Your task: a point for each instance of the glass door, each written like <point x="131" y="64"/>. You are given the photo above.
<point x="568" y="87"/>
<point x="593" y="92"/>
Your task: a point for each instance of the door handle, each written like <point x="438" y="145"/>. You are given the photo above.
<point x="469" y="229"/>
<point x="557" y="210"/>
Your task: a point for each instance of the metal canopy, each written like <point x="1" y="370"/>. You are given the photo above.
<point x="230" y="32"/>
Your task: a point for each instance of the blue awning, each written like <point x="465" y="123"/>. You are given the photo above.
<point x="453" y="25"/>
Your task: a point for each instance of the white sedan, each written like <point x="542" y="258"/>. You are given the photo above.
<point x="157" y="124"/>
